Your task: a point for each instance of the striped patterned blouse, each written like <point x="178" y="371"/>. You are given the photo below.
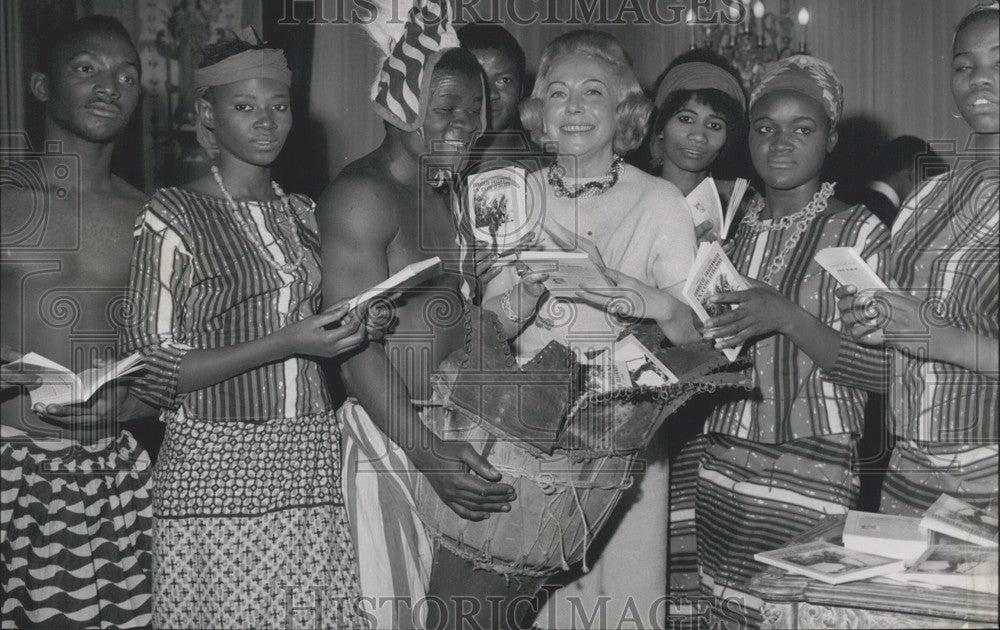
<point x="792" y="399"/>
<point x="198" y="280"/>
<point x="945" y="247"/>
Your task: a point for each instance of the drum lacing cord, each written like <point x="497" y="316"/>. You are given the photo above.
<point x="548" y="485"/>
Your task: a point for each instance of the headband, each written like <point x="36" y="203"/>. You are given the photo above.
<point x="808" y="76"/>
<point x="698" y="75"/>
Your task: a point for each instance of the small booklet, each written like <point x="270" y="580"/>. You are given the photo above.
<point x="968" y="567"/>
<point x="830" y="563"/>
<point x="712" y="273"/>
<point x="568" y="271"/>
<point x="958" y="519"/>
<point x="60" y="386"/>
<point x="706" y="205"/>
<point x="740" y="187"/>
<point x="627" y="364"/>
<point x="408" y="277"/>
<point x="847" y="266"/>
<point x="899" y="537"/>
<point x="497" y="205"/>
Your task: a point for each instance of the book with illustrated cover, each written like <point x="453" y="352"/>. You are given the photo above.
<point x="568" y="271"/>
<point x="830" y="563"/>
<point x="847" y="266"/>
<point x="706" y="205"/>
<point x="408" y="277"/>
<point x="713" y="273"/>
<point x="968" y="567"/>
<point x="628" y="363"/>
<point x="497" y="203"/>
<point x="60" y="386"/>
<point x="958" y="519"/>
<point x="899" y="537"/>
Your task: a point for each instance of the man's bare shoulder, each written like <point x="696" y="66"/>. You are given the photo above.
<point x="363" y="201"/>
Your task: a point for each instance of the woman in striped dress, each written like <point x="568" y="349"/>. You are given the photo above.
<point x="249" y="524"/>
<point x="774" y="463"/>
<point x="941" y="329"/>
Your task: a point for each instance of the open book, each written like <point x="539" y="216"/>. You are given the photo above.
<point x="568" y="271"/>
<point x="712" y="273"/>
<point x="847" y="266"/>
<point x="706" y="205"/>
<point x="830" y="563"/>
<point x="497" y="205"/>
<point x="60" y="386"/>
<point x="408" y="277"/>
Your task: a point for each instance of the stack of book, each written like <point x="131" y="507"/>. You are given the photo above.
<point x="953" y="544"/>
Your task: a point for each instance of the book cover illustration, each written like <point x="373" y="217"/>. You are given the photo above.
<point x="830" y="563"/>
<point x="711" y="274"/>
<point x="706" y="205"/>
<point x="497" y="204"/>
<point x="958" y="519"/>
<point x="968" y="567"/>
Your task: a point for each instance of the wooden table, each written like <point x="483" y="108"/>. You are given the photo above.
<point x="794" y="601"/>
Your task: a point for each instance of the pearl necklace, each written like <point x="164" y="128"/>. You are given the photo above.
<point x="589" y="189"/>
<point x="801" y="219"/>
<point x="252" y="233"/>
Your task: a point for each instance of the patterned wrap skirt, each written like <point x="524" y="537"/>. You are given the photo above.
<point x="250" y="529"/>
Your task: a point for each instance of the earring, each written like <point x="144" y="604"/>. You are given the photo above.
<point x="955" y="115"/>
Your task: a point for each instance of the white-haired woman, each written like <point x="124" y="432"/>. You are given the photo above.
<point x="588" y="104"/>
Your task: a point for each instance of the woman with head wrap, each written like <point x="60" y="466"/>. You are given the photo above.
<point x="940" y="328"/>
<point x="776" y="462"/>
<point x="700" y="119"/>
<point x="249" y="525"/>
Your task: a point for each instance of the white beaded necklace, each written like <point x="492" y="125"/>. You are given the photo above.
<point x="254" y="236"/>
<point x="800" y="219"/>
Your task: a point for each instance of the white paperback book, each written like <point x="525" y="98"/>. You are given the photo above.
<point x="568" y="271"/>
<point x="847" y="266"/>
<point x="60" y="386"/>
<point x="713" y="273"/>
<point x="740" y="187"/>
<point x="830" y="563"/>
<point x="956" y="518"/>
<point x="497" y="203"/>
<point x="706" y="205"/>
<point x="887" y="535"/>
<point x="969" y="567"/>
<point x="408" y="277"/>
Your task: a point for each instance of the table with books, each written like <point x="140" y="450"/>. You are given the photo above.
<point x="888" y="600"/>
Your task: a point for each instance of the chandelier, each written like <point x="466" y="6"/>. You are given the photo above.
<point x="758" y="39"/>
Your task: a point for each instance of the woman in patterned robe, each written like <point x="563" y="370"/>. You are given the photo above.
<point x="249" y="524"/>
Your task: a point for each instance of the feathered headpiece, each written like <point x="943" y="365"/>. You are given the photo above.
<point x="409" y="50"/>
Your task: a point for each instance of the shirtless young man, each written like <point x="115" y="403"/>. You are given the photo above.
<point x="65" y="260"/>
<point x="380" y="215"/>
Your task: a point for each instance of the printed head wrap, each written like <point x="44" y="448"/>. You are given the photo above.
<point x="806" y="75"/>
<point x="698" y="75"/>
<point x="259" y="63"/>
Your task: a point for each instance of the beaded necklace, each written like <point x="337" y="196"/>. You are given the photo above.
<point x="589" y="189"/>
<point x="801" y="219"/>
<point x="251" y="232"/>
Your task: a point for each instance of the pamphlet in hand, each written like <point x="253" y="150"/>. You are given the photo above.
<point x="568" y="271"/>
<point x="497" y="205"/>
<point x="628" y="363"/>
<point x="899" y="537"/>
<point x="830" y="563"/>
<point x="705" y="205"/>
<point x="60" y="386"/>
<point x="740" y="187"/>
<point x="847" y="266"/>
<point x="408" y="277"/>
<point x="968" y="567"/>
<point x="958" y="519"/>
<point x="713" y="273"/>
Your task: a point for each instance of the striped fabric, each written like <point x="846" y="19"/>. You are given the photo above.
<point x="792" y="399"/>
<point x="755" y="497"/>
<point x="945" y="246"/>
<point x="394" y="550"/>
<point x="75" y="526"/>
<point x="198" y="281"/>
<point x="249" y="524"/>
<point x="685" y="585"/>
<point x="920" y="473"/>
<point x="399" y="88"/>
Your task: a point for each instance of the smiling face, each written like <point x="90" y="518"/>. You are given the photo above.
<point x="693" y="137"/>
<point x="250" y="119"/>
<point x="974" y="73"/>
<point x="789" y="138"/>
<point x="93" y="87"/>
<point x="579" y="104"/>
<point x="503" y="84"/>
<point x="454" y="110"/>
